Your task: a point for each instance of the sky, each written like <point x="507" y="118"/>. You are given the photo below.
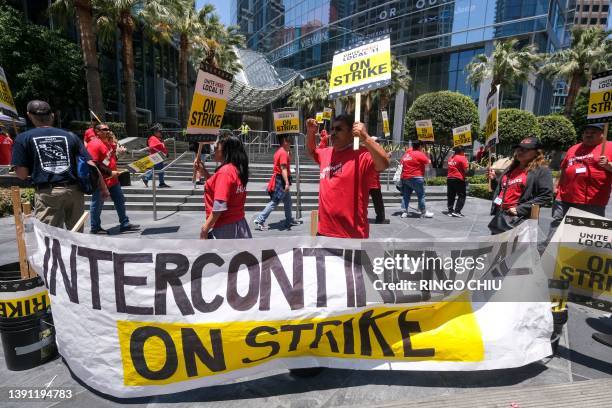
<point x="222" y="8"/>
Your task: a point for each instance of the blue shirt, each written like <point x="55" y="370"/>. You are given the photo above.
<point x="50" y="154"/>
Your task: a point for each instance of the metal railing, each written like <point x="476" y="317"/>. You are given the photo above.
<point x="154" y="188"/>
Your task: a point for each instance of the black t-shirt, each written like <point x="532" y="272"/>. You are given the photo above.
<point x="49" y="153"/>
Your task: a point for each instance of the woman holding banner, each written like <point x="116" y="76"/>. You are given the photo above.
<point x="225" y="192"/>
<point x="527" y="181"/>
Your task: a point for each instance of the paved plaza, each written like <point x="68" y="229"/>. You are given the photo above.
<point x="579" y="359"/>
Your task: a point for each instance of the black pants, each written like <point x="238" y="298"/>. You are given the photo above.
<point x="379" y="205"/>
<point x="455" y="188"/>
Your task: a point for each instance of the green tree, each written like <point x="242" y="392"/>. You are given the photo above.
<point x="83" y="11"/>
<point x="515" y="125"/>
<point x="126" y="15"/>
<point x="310" y="97"/>
<point x="507" y="65"/>
<point x="579" y="112"/>
<point x="447" y="110"/>
<point x="217" y="45"/>
<point x="40" y="64"/>
<point x="556" y="132"/>
<point x="590" y="52"/>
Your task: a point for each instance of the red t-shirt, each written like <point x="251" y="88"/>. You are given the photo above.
<point x="6" y="149"/>
<point x="344" y="187"/>
<point x="583" y="181"/>
<point x="413" y="164"/>
<point x="104" y="153"/>
<point x="156" y="145"/>
<point x="514" y="184"/>
<point x="324" y="142"/>
<point x="282" y="157"/>
<point x="225" y="185"/>
<point x="457" y="165"/>
<point x="88" y="135"/>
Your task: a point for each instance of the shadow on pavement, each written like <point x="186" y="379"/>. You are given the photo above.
<point x="160" y="230"/>
<point x="582" y="359"/>
<point x="602" y="324"/>
<point x="283" y="384"/>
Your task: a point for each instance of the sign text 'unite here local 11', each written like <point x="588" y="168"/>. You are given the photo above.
<point x="600" y="98"/>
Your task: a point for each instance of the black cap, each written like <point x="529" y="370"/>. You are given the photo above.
<point x="458" y="149"/>
<point x="599" y="126"/>
<point x="156" y="127"/>
<point x="37" y="107"/>
<point x="530" y="142"/>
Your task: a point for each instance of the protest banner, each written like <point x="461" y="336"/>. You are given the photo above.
<point x="580" y="252"/>
<point x="144" y="164"/>
<point x="208" y="105"/>
<point x="180" y="314"/>
<point x="385" y="120"/>
<point x="327" y="114"/>
<point x="492" y="116"/>
<point x="286" y="121"/>
<point x="22" y="298"/>
<point x="319" y="117"/>
<point x="424" y="129"/>
<point x="462" y="135"/>
<point x="600" y="98"/>
<point x="6" y="97"/>
<point x="364" y="67"/>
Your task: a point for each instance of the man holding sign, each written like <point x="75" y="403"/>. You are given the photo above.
<point x="346" y="176"/>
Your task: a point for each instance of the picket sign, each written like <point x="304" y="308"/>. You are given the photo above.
<point x="600" y="102"/>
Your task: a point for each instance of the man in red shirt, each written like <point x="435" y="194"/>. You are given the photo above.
<point x="345" y="177"/>
<point x="6" y="148"/>
<point x="324" y="139"/>
<point x="413" y="178"/>
<point x="156" y="145"/>
<point x="455" y="182"/>
<point x="89" y="134"/>
<point x="586" y="176"/>
<point x="103" y="152"/>
<point x="279" y="186"/>
<point x="479" y="154"/>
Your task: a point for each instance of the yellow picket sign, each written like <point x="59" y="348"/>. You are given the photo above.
<point x="6" y="97"/>
<point x="286" y="121"/>
<point x="327" y="114"/>
<point x="600" y="98"/>
<point x="319" y="117"/>
<point x="462" y="135"/>
<point x="142" y="165"/>
<point x="424" y="129"/>
<point x="491" y="124"/>
<point x="385" y="119"/>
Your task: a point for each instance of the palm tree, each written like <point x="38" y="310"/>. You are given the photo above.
<point x="310" y="97"/>
<point x="126" y="15"/>
<point x="506" y="66"/>
<point x="217" y="45"/>
<point x="180" y="19"/>
<point x="590" y="52"/>
<point x="83" y="10"/>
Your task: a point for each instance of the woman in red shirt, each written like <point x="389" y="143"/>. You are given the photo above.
<point x="225" y="192"/>
<point x="527" y="181"/>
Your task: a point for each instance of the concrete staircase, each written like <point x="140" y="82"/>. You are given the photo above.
<point x="184" y="196"/>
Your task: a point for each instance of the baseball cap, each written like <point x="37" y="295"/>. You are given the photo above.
<point x="530" y="142"/>
<point x="37" y="107"/>
<point x="599" y="126"/>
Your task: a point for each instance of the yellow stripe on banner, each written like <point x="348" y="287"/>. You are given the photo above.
<point x="600" y="103"/>
<point x="360" y="71"/>
<point x="206" y="112"/>
<point x="163" y="353"/>
<point x="491" y="123"/>
<point x="585" y="269"/>
<point x="19" y="307"/>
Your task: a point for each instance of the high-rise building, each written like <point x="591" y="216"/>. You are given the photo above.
<point x="436" y="39"/>
<point x="592" y="13"/>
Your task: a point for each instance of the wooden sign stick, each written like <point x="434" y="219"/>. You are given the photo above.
<point x="314" y="223"/>
<point x="357" y="118"/>
<point x="19" y="231"/>
<point x="199" y="152"/>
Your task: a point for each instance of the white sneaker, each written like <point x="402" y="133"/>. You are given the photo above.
<point x="427" y="214"/>
<point x="404" y="215"/>
<point x="260" y="227"/>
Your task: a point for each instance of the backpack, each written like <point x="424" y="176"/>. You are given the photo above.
<point x="87" y="174"/>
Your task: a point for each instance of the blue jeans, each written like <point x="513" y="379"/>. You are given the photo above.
<point x="416" y="184"/>
<point x="96" y="207"/>
<point x="160" y="174"/>
<point x="286" y="199"/>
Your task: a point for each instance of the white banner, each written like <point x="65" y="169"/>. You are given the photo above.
<point x="580" y="252"/>
<point x="174" y="315"/>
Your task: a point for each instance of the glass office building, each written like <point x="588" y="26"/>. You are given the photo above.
<point x="436" y="39"/>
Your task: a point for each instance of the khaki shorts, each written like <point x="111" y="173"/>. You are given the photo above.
<point x="59" y="206"/>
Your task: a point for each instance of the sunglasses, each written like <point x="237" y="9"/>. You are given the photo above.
<point x="104" y="129"/>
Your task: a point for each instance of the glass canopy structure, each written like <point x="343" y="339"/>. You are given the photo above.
<point x="258" y="83"/>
